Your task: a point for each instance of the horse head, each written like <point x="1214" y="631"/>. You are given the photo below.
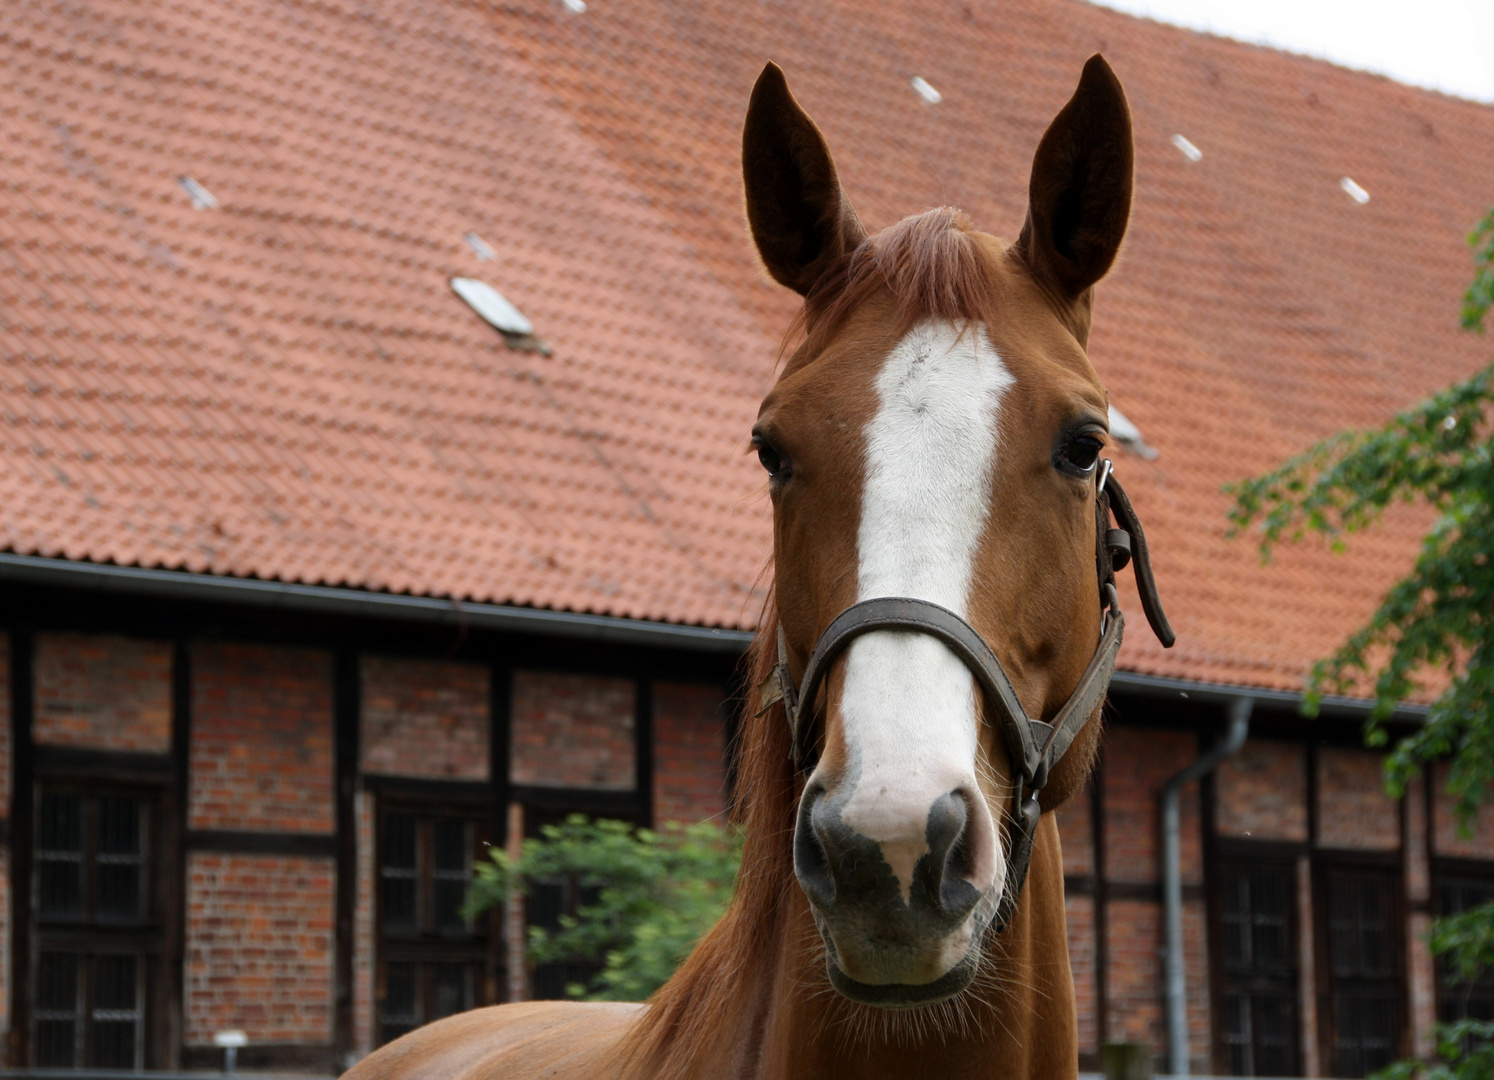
<point x="938" y="436"/>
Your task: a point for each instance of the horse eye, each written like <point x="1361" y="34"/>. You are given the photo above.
<point x="1080" y="454"/>
<point x="771" y="460"/>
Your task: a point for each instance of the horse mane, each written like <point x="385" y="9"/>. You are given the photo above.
<point x="690" y="1012"/>
<point x="935" y="268"/>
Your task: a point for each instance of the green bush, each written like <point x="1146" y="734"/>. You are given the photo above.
<point x="654" y="894"/>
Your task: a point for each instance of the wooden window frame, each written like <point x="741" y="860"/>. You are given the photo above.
<point x="1460" y="869"/>
<point x="1239" y="850"/>
<point x="1390" y="864"/>
<point x="426" y="945"/>
<point x="88" y="936"/>
<point x="1257" y="983"/>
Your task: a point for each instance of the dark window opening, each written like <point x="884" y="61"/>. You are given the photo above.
<point x="1458" y="998"/>
<point x="415" y="993"/>
<point x="432" y="959"/>
<point x="90" y="1011"/>
<point x="1365" y="962"/>
<point x="546" y="903"/>
<point x="1258" y="938"/>
<point x="96" y="935"/>
<point x="91" y="856"/>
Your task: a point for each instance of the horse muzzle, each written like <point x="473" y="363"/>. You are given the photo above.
<point x="902" y="913"/>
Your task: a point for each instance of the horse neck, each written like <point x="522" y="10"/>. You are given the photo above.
<point x="1018" y="1021"/>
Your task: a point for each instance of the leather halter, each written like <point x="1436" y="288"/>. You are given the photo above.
<point x="1034" y="746"/>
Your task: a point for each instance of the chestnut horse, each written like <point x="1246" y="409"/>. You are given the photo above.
<point x="935" y="436"/>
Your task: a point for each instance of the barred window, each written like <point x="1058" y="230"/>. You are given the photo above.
<point x="1364" y="951"/>
<point x="1457" y="998"/>
<point x="432" y="959"/>
<point x="96" y="941"/>
<point x="1259" y="943"/>
<point x="91" y="858"/>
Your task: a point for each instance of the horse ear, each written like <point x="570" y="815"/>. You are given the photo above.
<point x="800" y="218"/>
<point x="1079" y="197"/>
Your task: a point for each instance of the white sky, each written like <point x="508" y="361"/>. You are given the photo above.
<point x="1447" y="45"/>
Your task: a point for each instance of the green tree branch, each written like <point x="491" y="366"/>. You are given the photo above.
<point x="651" y="895"/>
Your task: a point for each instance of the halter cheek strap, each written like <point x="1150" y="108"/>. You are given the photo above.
<point x="1034" y="746"/>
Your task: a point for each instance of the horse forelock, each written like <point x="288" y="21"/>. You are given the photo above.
<point x="932" y="264"/>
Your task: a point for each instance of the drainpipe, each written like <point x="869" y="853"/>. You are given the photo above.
<point x="1172" y="879"/>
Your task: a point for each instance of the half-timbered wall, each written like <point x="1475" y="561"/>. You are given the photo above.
<point x="252" y="777"/>
<point x="307" y="813"/>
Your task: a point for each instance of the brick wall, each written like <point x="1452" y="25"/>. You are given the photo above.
<point x="1137" y="763"/>
<point x="1261" y="792"/>
<point x="1075" y="834"/>
<point x="1077" y="842"/>
<point x="1353" y="809"/>
<point x="4" y="938"/>
<point x="5" y="815"/>
<point x="1196" y="967"/>
<point x="1448" y="838"/>
<point x="363" y="928"/>
<point x="1133" y="975"/>
<point x="107" y="693"/>
<point x="261" y="754"/>
<point x="5" y="736"/>
<point x="689" y="752"/>
<point x="573" y="731"/>
<point x="1080" y="914"/>
<point x="1418" y="885"/>
<point x="1307" y="997"/>
<point x="425" y="718"/>
<point x="259" y="948"/>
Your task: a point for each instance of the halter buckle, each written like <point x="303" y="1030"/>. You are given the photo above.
<point x="1106" y="468"/>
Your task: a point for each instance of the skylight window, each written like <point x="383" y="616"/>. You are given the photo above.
<point x="202" y="198"/>
<point x="924" y="90"/>
<point x="493" y="306"/>
<point x="1357" y="193"/>
<point x="480" y="247"/>
<point x="1128" y="435"/>
<point x="1185" y="145"/>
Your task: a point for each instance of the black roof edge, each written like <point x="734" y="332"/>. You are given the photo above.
<point x="1333" y="706"/>
<point x="325" y="599"/>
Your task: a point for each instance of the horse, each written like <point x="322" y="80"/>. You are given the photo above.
<point x="932" y="661"/>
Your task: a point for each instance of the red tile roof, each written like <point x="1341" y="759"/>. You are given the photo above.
<point x="286" y="387"/>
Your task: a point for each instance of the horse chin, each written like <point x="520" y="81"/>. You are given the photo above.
<point x="905" y="995"/>
<point x="891" y="994"/>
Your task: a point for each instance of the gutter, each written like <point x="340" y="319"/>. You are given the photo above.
<point x="323" y="599"/>
<point x="1172" y="879"/>
<point x="1210" y="693"/>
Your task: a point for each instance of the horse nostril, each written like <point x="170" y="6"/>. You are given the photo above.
<point x="952" y="854"/>
<point x="811" y="861"/>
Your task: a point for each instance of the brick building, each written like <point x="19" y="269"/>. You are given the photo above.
<point x="313" y="582"/>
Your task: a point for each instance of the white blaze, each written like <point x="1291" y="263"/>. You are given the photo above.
<point x="908" y="703"/>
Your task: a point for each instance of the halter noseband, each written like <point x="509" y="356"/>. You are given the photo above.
<point x="1035" y="746"/>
